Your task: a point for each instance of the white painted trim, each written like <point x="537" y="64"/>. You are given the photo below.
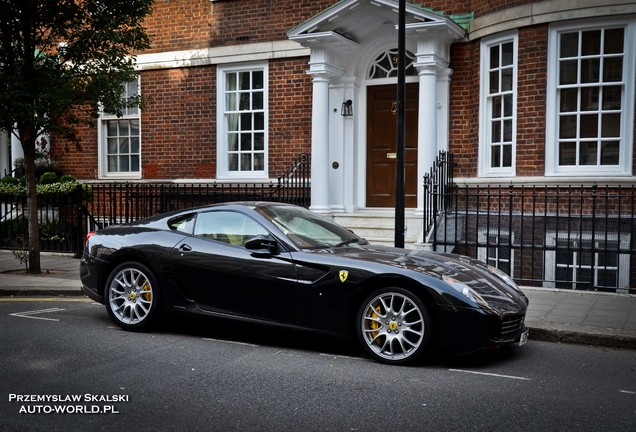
<point x="484" y="117"/>
<point x="222" y="172"/>
<point x="221" y="55"/>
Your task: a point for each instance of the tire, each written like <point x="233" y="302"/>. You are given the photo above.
<point x="393" y="326"/>
<point x="131" y="296"/>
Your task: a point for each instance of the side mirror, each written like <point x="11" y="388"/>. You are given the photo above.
<point x="261" y="244"/>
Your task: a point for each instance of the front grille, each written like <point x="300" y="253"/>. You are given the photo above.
<point x="506" y="328"/>
<point x="510" y="326"/>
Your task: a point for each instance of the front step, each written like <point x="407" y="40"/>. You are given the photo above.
<point x="378" y="225"/>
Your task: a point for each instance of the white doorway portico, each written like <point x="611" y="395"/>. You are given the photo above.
<point x="352" y="49"/>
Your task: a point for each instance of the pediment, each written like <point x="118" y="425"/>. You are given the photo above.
<point x="349" y="23"/>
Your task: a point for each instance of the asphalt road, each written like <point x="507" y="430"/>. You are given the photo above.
<point x="65" y="366"/>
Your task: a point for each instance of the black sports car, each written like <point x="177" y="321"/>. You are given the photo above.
<point x="281" y="264"/>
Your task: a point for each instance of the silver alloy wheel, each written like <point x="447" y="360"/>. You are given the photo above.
<point x="393" y="326"/>
<point x="130" y="296"/>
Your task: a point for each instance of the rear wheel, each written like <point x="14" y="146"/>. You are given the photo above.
<point x="393" y="326"/>
<point x="131" y="296"/>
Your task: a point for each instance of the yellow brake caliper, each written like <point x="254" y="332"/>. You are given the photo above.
<point x="375" y="325"/>
<point x="147" y="295"/>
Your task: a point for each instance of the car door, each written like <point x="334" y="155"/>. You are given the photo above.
<point x="214" y="268"/>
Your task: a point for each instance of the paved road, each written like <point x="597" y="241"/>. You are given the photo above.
<point x="206" y="375"/>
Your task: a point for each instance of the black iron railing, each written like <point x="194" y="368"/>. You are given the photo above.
<point x="569" y="237"/>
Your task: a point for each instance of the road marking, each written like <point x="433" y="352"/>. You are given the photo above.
<point x="29" y="314"/>
<point x="46" y="299"/>
<point x="628" y="392"/>
<point x="491" y="374"/>
<point x="231" y="342"/>
<point x="341" y="356"/>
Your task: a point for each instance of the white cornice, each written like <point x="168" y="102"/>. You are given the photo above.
<point x="220" y="55"/>
<point x="546" y="12"/>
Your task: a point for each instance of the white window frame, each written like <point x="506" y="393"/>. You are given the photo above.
<point x="102" y="151"/>
<point x="624" y="168"/>
<point x="485" y="107"/>
<point x="482" y="252"/>
<point x="623" y="259"/>
<point x="223" y="171"/>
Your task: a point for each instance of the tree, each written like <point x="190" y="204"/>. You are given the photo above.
<point x="56" y="55"/>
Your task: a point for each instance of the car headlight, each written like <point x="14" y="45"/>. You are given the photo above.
<point x="507" y="279"/>
<point x="465" y="290"/>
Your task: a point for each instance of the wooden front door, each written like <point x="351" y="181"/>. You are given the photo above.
<point x="381" y="145"/>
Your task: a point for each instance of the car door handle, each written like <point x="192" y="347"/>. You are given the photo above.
<point x="185" y="248"/>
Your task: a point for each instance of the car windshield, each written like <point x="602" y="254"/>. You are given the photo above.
<point x="309" y="230"/>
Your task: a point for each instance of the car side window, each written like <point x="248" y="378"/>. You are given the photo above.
<point x="182" y="223"/>
<point x="227" y="227"/>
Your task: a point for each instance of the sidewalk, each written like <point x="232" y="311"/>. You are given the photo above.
<point x="554" y="315"/>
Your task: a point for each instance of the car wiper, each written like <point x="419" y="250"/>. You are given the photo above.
<point x="350" y="241"/>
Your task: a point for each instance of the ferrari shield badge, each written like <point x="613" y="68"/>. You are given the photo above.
<point x="344" y="274"/>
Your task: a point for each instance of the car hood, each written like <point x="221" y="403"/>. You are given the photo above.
<point x="496" y="291"/>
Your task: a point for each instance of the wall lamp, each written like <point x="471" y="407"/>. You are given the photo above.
<point x="347" y="108"/>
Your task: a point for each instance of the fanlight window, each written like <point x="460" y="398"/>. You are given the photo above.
<point x="386" y="65"/>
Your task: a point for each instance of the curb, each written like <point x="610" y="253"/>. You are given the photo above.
<point x="609" y="339"/>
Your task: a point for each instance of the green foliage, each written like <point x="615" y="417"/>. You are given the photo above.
<point x="67" y="178"/>
<point x="49" y="178"/>
<point x="60" y="188"/>
<point x="8" y="180"/>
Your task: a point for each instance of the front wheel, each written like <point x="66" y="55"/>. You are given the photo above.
<point x="131" y="296"/>
<point x="393" y="326"/>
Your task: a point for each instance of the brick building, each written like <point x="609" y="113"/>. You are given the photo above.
<point x="520" y="92"/>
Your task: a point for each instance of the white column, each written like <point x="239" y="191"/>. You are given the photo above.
<point x="16" y="150"/>
<point x="427" y="127"/>
<point x="320" y="144"/>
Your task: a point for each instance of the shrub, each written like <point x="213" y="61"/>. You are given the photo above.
<point x="49" y="178"/>
<point x="67" y="178"/>
<point x="8" y="180"/>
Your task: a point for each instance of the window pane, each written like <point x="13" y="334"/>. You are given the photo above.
<point x="608" y="278"/>
<point x="246" y="142"/>
<point x="244" y="80"/>
<point x="496" y="132"/>
<point x="508" y="105"/>
<point x="568" y="72"/>
<point x="134" y="127"/>
<point x="614" y="39"/>
<point x="232" y="144"/>
<point x="134" y="163"/>
<point x="259" y="162"/>
<point x="259" y="141"/>
<point x="124" y="127"/>
<point x="259" y="121"/>
<point x="507" y="156"/>
<point x="230" y="101"/>
<point x="591" y="43"/>
<point x="244" y="102"/>
<point x="495" y="157"/>
<point x="494" y="57"/>
<point x="588" y="153"/>
<point x="506" y="79"/>
<point x="507" y="131"/>
<point x="257" y="78"/>
<point x="246" y="162"/>
<point x="246" y="121"/>
<point x="111" y="128"/>
<point x="590" y="70"/>
<point x="569" y="45"/>
<point x="567" y="126"/>
<point x="496" y="107"/>
<point x="124" y="145"/>
<point x="494" y="81"/>
<point x="112" y="164"/>
<point x="612" y="97"/>
<point x="610" y="153"/>
<point x="589" y="99"/>
<point x="134" y="145"/>
<point x="568" y="100"/>
<point x="124" y="166"/>
<point x="611" y="127"/>
<point x="589" y="126"/>
<point x="507" y="51"/>
<point x="257" y="101"/>
<point x="567" y="154"/>
<point x="232" y="162"/>
<point x="112" y="146"/>
<point x="230" y="82"/>
<point x="613" y="69"/>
